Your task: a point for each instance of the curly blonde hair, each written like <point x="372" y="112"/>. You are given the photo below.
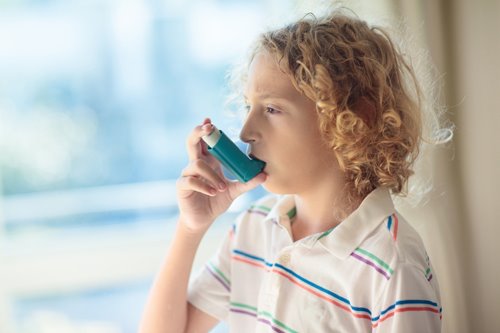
<point x="367" y="96"/>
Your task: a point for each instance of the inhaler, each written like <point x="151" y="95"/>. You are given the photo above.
<point x="231" y="157"/>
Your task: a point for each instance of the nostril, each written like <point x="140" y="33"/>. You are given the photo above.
<point x="242" y="145"/>
<point x="246" y="140"/>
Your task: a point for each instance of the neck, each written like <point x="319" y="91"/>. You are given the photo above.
<point x="321" y="209"/>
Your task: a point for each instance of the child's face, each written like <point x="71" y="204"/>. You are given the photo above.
<point x="281" y="127"/>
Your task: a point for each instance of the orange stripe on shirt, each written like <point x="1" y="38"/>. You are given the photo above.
<point x="404" y="310"/>
<point x="395" y="226"/>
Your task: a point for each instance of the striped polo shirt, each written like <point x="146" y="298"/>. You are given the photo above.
<point x="371" y="273"/>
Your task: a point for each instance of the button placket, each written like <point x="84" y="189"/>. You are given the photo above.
<point x="270" y="292"/>
<point x="275" y="283"/>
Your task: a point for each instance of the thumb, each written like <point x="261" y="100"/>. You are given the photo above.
<point x="238" y="188"/>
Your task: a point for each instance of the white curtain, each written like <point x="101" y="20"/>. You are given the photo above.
<point x="461" y="222"/>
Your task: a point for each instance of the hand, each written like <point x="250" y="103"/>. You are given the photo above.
<point x="203" y="192"/>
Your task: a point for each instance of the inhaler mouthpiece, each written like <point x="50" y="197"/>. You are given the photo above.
<point x="231" y="157"/>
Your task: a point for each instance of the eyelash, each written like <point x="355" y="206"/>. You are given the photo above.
<point x="269" y="109"/>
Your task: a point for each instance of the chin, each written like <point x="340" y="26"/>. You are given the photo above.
<point x="276" y="187"/>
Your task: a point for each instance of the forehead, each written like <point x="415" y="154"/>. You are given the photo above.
<point x="266" y="78"/>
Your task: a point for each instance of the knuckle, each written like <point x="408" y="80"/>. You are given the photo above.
<point x="190" y="181"/>
<point x="195" y="133"/>
<point x="185" y="170"/>
<point x="198" y="163"/>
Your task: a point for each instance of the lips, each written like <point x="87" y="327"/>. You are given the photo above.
<point x="253" y="157"/>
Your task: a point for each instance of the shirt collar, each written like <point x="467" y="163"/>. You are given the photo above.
<point x="345" y="237"/>
<point x="282" y="212"/>
<point x="351" y="232"/>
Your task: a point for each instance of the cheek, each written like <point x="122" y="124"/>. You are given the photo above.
<point x="297" y="154"/>
<point x="300" y="153"/>
<point x="306" y="162"/>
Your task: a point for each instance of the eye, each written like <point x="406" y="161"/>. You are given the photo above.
<point x="271" y="110"/>
<point x="246" y="107"/>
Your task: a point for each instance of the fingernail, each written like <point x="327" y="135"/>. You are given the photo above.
<point x="222" y="186"/>
<point x="212" y="191"/>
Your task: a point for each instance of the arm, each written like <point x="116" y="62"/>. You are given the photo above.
<point x="167" y="309"/>
<point x="409" y="303"/>
<point x="201" y="199"/>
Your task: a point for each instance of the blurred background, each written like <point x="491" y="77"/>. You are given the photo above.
<point x="97" y="98"/>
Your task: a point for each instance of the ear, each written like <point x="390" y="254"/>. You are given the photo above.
<point x="365" y="109"/>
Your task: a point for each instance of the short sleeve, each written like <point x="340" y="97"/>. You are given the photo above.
<point x="409" y="303"/>
<point x="210" y="290"/>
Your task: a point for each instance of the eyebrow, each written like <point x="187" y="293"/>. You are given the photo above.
<point x="268" y="95"/>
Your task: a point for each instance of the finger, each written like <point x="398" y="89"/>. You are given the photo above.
<point x="200" y="168"/>
<point x="193" y="183"/>
<point x="238" y="188"/>
<point x="204" y="146"/>
<point x="214" y="163"/>
<point x="194" y="143"/>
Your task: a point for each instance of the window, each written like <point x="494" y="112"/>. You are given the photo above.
<point x="96" y="99"/>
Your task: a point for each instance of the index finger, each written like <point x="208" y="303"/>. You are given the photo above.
<point x="194" y="142"/>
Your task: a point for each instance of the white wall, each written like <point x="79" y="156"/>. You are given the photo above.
<point x="464" y="39"/>
<point x="476" y="28"/>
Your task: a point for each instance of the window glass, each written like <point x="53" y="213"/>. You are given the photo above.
<point x="96" y="100"/>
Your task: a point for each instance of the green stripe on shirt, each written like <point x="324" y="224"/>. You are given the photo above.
<point x="263" y="314"/>
<point x="264" y="208"/>
<point x="219" y="273"/>
<point x="375" y="258"/>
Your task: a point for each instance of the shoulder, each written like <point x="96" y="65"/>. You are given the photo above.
<point x="408" y="246"/>
<point x="397" y="245"/>
<point x="410" y="284"/>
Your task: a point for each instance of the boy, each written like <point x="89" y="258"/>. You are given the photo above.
<point x="330" y="112"/>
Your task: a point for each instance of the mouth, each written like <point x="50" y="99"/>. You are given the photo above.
<point x="253" y="157"/>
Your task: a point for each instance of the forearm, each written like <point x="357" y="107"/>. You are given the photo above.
<point x="166" y="310"/>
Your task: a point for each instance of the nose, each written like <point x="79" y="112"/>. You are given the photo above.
<point x="249" y="132"/>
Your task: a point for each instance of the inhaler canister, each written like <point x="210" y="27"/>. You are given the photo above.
<point x="231" y="157"/>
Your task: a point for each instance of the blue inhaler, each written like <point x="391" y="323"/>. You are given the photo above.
<point x="231" y="157"/>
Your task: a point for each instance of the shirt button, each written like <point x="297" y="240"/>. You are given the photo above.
<point x="285" y="259"/>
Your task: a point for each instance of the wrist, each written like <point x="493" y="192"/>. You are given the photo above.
<point x="193" y="227"/>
